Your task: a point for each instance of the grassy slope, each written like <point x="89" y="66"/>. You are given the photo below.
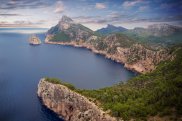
<point x="61" y="36"/>
<point x="155" y="93"/>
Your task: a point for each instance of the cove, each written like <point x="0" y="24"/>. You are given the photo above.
<point x="22" y="65"/>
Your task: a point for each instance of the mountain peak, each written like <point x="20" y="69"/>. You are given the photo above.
<point x="66" y="19"/>
<point x="110" y="25"/>
<point x="111" y="29"/>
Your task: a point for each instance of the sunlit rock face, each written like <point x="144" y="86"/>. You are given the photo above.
<point x="34" y="40"/>
<point x="133" y="54"/>
<point x="68" y="104"/>
<point x="73" y="30"/>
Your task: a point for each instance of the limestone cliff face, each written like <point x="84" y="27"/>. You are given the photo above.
<point x="135" y="57"/>
<point x="118" y="47"/>
<point x="34" y="40"/>
<point x="68" y="104"/>
<point x="139" y="58"/>
<point x="73" y="30"/>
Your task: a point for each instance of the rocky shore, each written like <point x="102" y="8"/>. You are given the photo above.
<point x="68" y="104"/>
<point x="144" y="65"/>
<point x="106" y="55"/>
<point x="135" y="56"/>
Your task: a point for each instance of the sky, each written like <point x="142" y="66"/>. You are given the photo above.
<point x="94" y="14"/>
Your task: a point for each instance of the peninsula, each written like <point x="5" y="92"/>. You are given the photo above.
<point x="135" y="55"/>
<point x="154" y="96"/>
<point x="67" y="103"/>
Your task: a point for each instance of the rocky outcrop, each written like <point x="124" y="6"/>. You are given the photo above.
<point x="68" y="104"/>
<point x="118" y="47"/>
<point x="73" y="30"/>
<point x="34" y="40"/>
<point x="136" y="58"/>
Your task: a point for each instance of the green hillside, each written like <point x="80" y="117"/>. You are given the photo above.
<point x="153" y="94"/>
<point x="156" y="93"/>
<point x="61" y="36"/>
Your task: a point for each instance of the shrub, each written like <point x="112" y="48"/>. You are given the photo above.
<point x="58" y="81"/>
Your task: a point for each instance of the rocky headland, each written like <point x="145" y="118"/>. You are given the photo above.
<point x="136" y="58"/>
<point x="68" y="104"/>
<point x="140" y="97"/>
<point x="118" y="47"/>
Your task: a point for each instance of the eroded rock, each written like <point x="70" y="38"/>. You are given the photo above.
<point x="68" y="104"/>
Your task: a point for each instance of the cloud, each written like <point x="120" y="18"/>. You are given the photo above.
<point x="132" y="3"/>
<point x="114" y="17"/>
<point x="20" y="4"/>
<point x="12" y="2"/>
<point x="19" y="24"/>
<point x="100" y="6"/>
<point x="169" y="5"/>
<point x="59" y="7"/>
<point x="90" y="20"/>
<point x="142" y="8"/>
<point x="119" y="18"/>
<point x="10" y="14"/>
<point x="175" y="18"/>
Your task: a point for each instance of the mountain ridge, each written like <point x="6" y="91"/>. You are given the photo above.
<point x="117" y="46"/>
<point x="154" y="94"/>
<point x="70" y="30"/>
<point x="111" y="29"/>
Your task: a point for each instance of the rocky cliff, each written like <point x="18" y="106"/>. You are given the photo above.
<point x="118" y="47"/>
<point x="68" y="104"/>
<point x="67" y="28"/>
<point x="34" y="40"/>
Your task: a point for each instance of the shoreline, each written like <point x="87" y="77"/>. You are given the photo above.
<point x="65" y="108"/>
<point x="102" y="53"/>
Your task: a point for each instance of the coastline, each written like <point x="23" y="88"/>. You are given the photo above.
<point x="68" y="104"/>
<point x="103" y="53"/>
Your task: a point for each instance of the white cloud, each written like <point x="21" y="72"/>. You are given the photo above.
<point x="12" y="2"/>
<point x="142" y="8"/>
<point x="127" y="4"/>
<point x="100" y="6"/>
<point x="168" y="5"/>
<point x="59" y="7"/>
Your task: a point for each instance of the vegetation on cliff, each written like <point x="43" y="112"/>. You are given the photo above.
<point x="58" y="81"/>
<point x="60" y="36"/>
<point x="152" y="94"/>
<point x="67" y="30"/>
<point x="116" y="44"/>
